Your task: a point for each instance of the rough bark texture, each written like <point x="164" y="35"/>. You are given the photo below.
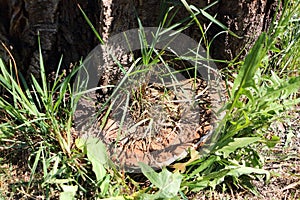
<point x="63" y="30"/>
<point x="247" y="19"/>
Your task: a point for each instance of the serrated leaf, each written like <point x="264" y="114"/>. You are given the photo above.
<point x="249" y="68"/>
<point x="167" y="182"/>
<point x="284" y="90"/>
<point x="207" y="163"/>
<point x="199" y="185"/>
<point x="235" y="144"/>
<point x="243" y="170"/>
<point x="213" y="179"/>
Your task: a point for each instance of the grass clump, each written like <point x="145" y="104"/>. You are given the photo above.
<point x="38" y="118"/>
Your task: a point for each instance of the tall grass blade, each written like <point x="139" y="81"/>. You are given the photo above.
<point x="91" y="25"/>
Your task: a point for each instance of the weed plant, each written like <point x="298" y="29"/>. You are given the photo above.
<point x="40" y="116"/>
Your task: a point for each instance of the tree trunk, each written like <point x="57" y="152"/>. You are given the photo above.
<point x="64" y="31"/>
<point x="247" y="19"/>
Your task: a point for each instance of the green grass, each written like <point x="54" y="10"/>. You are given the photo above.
<point x="38" y="117"/>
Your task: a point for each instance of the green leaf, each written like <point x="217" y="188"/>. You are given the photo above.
<point x="96" y="153"/>
<point x="81" y="144"/>
<point x="90" y="24"/>
<point x="199" y="185"/>
<point x="99" y="170"/>
<point x="214" y="20"/>
<point x="167" y="182"/>
<point x="42" y="70"/>
<point x="69" y="192"/>
<point x="235" y="144"/>
<point x="284" y="90"/>
<point x="250" y="66"/>
<point x="105" y="185"/>
<point x="273" y="141"/>
<point x="237" y="171"/>
<point x="207" y="163"/>
<point x="214" y="178"/>
<point x="35" y="164"/>
<point x="66" y="196"/>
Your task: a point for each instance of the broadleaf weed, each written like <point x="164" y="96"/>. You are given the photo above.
<point x="263" y="89"/>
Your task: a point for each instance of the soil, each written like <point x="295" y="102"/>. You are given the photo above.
<point x="160" y="126"/>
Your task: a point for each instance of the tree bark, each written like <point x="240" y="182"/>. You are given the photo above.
<point x="247" y="19"/>
<point x="64" y="31"/>
<point x="60" y="26"/>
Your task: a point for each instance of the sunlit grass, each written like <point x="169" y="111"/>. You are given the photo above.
<point x="39" y="116"/>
